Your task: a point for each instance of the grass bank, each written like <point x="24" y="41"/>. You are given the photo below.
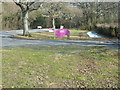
<point x="74" y="35"/>
<point x="59" y="67"/>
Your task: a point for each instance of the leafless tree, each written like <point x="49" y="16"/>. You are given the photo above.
<point x="53" y="10"/>
<point x="26" y="6"/>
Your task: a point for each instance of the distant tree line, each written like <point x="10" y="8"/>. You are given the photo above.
<point x="85" y="15"/>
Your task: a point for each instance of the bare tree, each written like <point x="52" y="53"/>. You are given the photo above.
<point x="53" y="10"/>
<point x="27" y="7"/>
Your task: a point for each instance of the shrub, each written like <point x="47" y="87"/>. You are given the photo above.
<point x="107" y="30"/>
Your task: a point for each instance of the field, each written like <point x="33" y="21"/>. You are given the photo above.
<point x="59" y="67"/>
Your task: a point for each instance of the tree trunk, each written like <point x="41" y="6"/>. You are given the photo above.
<point x="53" y="22"/>
<point x="25" y="23"/>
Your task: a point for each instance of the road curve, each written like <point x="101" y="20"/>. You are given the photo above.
<point x="12" y="42"/>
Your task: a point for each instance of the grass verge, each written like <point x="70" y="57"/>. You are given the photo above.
<point x="75" y="35"/>
<point x="59" y="67"/>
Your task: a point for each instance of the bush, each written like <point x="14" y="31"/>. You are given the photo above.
<point x="107" y="30"/>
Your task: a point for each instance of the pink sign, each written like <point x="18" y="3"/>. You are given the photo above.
<point x="62" y="32"/>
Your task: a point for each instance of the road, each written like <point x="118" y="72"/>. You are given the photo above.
<point x="6" y="41"/>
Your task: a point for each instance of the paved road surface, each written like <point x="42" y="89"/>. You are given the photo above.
<point x="12" y="42"/>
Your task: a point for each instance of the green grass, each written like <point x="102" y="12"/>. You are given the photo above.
<point x="74" y="35"/>
<point x="54" y="67"/>
<point x="76" y="32"/>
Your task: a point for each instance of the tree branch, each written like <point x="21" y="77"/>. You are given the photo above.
<point x="35" y="6"/>
<point x="18" y="4"/>
<point x="30" y="3"/>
